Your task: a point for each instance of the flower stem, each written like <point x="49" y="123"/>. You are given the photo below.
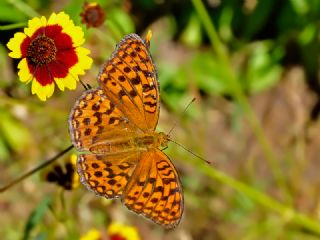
<point x="237" y="92"/>
<point x="13" y="26"/>
<point x="288" y="214"/>
<point x="36" y="169"/>
<point x="24" y="8"/>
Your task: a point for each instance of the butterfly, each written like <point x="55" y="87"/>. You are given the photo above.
<point x="115" y="124"/>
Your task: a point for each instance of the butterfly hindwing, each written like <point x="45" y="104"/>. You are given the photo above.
<point x="155" y="190"/>
<point x="106" y="175"/>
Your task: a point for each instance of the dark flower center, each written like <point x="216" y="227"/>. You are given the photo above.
<point x="42" y="50"/>
<point x="92" y="15"/>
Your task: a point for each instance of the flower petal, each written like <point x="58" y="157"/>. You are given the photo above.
<point x="67" y="58"/>
<point x="24" y="72"/>
<point x="43" y="92"/>
<point x="63" y="41"/>
<point x="77" y="35"/>
<point x="75" y="175"/>
<point x="52" y="31"/>
<point x="93" y="234"/>
<point x="58" y="69"/>
<point x="52" y="19"/>
<point x="70" y="82"/>
<point x="68" y="27"/>
<point x="84" y="61"/>
<point x="34" y="24"/>
<point x="125" y="231"/>
<point x="15" y="43"/>
<point x="43" y="75"/>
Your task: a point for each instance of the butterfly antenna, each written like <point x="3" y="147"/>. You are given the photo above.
<point x="85" y="86"/>
<point x="176" y="122"/>
<point x="36" y="169"/>
<point x="191" y="152"/>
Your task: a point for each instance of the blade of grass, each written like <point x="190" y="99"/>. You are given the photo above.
<point x="238" y="94"/>
<point x="288" y="214"/>
<point x="24" y="8"/>
<point x="13" y="26"/>
<point x="36" y="217"/>
<point x="34" y="170"/>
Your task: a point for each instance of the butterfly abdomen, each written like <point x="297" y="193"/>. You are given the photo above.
<point x="114" y="146"/>
<point x="140" y="142"/>
<point x="151" y="140"/>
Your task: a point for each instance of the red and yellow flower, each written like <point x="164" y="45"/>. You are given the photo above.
<point x="92" y="234"/>
<point x="50" y="52"/>
<point x="115" y="231"/>
<point x="92" y="14"/>
<point x="118" y="231"/>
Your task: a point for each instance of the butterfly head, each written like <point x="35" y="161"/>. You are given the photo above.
<point x="163" y="139"/>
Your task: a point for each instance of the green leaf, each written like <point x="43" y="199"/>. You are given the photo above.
<point x="10" y="14"/>
<point x="300" y="6"/>
<point x="225" y="24"/>
<point x="121" y="20"/>
<point x="209" y="74"/>
<point x="14" y="133"/>
<point x="36" y="216"/>
<point x="41" y="236"/>
<point x="74" y="9"/>
<point x="308" y="34"/>
<point x="23" y="7"/>
<point x="191" y="35"/>
<point x="258" y="18"/>
<point x="7" y="76"/>
<point x="263" y="70"/>
<point x="4" y="152"/>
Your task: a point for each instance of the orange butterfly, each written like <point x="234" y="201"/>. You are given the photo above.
<point x="116" y="124"/>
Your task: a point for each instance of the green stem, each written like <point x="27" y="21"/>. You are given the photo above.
<point x="288" y="214"/>
<point x="13" y="26"/>
<point x="238" y="94"/>
<point x="24" y="8"/>
<point x="114" y="29"/>
<point x="34" y="170"/>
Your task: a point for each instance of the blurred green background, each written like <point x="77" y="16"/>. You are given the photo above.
<point x="253" y="67"/>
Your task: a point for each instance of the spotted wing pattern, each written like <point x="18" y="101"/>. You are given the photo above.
<point x="106" y="175"/>
<point x="125" y="106"/>
<point x="154" y="190"/>
<point x="94" y="118"/>
<point x="129" y="80"/>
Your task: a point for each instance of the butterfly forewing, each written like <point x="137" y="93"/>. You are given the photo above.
<point x="95" y="118"/>
<point x="129" y="79"/>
